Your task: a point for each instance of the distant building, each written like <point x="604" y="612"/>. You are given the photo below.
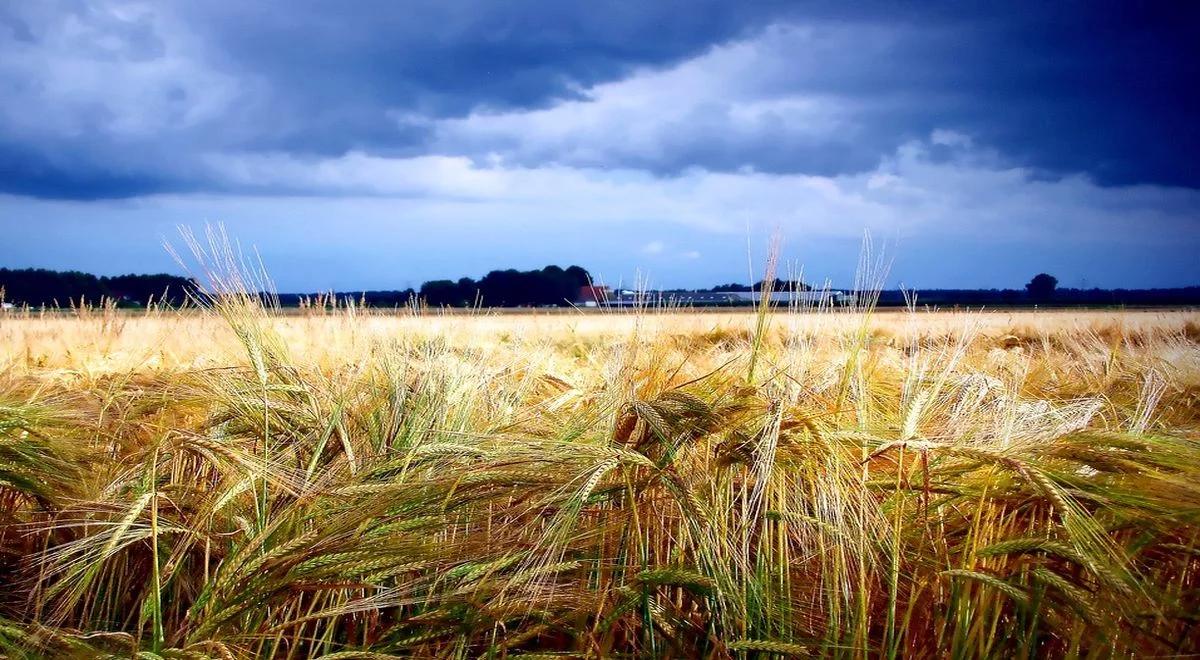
<point x="593" y="296"/>
<point x="603" y="297"/>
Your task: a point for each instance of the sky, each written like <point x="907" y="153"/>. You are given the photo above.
<point x="375" y="144"/>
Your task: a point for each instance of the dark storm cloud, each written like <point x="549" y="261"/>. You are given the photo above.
<point x="1108" y="92"/>
<point x="104" y="100"/>
<point x="310" y="78"/>
<point x="29" y="172"/>
<point x="1109" y="89"/>
<point x="449" y="57"/>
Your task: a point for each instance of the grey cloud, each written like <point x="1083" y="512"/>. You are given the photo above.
<point x="111" y="99"/>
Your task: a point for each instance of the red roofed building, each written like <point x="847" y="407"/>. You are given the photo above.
<point x="593" y="296"/>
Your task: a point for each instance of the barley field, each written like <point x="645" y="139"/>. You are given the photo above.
<point x="230" y="482"/>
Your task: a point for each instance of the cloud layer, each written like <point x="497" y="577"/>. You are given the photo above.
<point x="1036" y="129"/>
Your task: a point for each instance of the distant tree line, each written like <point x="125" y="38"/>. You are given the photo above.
<point x="37" y="287"/>
<point x="780" y="286"/>
<point x="549" y="286"/>
<point x="1060" y="297"/>
<point x="1043" y="290"/>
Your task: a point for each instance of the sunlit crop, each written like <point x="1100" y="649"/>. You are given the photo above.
<point x="234" y="482"/>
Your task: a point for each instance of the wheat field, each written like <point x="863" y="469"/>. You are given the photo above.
<point x="231" y="482"/>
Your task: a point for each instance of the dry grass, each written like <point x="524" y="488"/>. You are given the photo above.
<point x="231" y="483"/>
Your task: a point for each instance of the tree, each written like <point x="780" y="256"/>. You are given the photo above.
<point x="551" y="285"/>
<point x="447" y="293"/>
<point x="779" y="286"/>
<point x="36" y="287"/>
<point x="1042" y="286"/>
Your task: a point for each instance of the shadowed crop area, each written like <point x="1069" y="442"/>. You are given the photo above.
<point x="229" y="482"/>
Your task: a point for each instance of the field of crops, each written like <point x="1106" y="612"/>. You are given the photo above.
<point x="231" y="483"/>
